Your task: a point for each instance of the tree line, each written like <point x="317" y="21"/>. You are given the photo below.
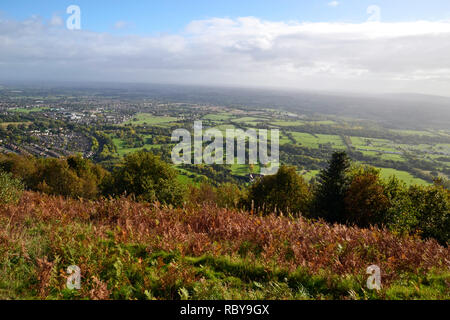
<point x="343" y="193"/>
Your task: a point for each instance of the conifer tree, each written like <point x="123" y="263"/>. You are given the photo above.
<point x="333" y="184"/>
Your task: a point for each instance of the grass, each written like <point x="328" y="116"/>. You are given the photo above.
<point x="322" y="122"/>
<point x="297" y="123"/>
<point x="313" y="141"/>
<point x="284" y="139"/>
<point x="218" y="116"/>
<point x="414" y="133"/>
<point x="288" y="123"/>
<point x="371" y="144"/>
<point x="121" y="150"/>
<point x="435" y="157"/>
<point x="386" y="173"/>
<point x="185" y="176"/>
<point x="5" y="124"/>
<point x="388" y="150"/>
<point x="225" y="127"/>
<point x="184" y="179"/>
<point x="308" y="175"/>
<point x="244" y="169"/>
<point x="444" y="147"/>
<point x="30" y="110"/>
<point x="149" y="119"/>
<point x="402" y="175"/>
<point x="249" y="120"/>
<point x="129" y="250"/>
<point x="393" y="157"/>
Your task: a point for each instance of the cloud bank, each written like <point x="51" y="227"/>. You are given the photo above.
<point x="365" y="57"/>
<point x="333" y="3"/>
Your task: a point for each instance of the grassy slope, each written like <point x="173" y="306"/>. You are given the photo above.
<point x="402" y="175"/>
<point x="128" y="250"/>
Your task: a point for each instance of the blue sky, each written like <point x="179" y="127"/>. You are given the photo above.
<point x="253" y="43"/>
<point x="171" y="16"/>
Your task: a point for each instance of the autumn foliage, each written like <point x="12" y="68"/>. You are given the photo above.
<point x="116" y="241"/>
<point x="365" y="201"/>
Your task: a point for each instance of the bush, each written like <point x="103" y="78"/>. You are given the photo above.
<point x="21" y="167"/>
<point x="71" y="177"/>
<point x="419" y="210"/>
<point x="433" y="209"/>
<point x="365" y="201"/>
<point x="227" y="195"/>
<point x="10" y="188"/>
<point x="205" y="193"/>
<point x="148" y="178"/>
<point x="285" y="192"/>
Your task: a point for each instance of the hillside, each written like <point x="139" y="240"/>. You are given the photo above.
<point x="129" y="250"/>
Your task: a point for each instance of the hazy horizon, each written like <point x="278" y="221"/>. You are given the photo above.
<point x="339" y="46"/>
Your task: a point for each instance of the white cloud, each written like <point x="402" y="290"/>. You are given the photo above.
<point x="333" y="3"/>
<point x="122" y="25"/>
<point x="56" y="21"/>
<point x="369" y="57"/>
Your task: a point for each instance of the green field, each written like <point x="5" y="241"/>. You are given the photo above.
<point x="373" y="144"/>
<point x="414" y="133"/>
<point x="225" y="127"/>
<point x="149" y="119"/>
<point x="313" y="141"/>
<point x="408" y="178"/>
<point x="249" y="120"/>
<point x="323" y="122"/>
<point x="244" y="169"/>
<point x="121" y="150"/>
<point x="218" y="116"/>
<point x="5" y="124"/>
<point x="309" y="174"/>
<point x="30" y="110"/>
<point x="386" y="173"/>
<point x="185" y="177"/>
<point x="443" y="147"/>
<point x="383" y="150"/>
<point x="284" y="139"/>
<point x="393" y="157"/>
<point x="288" y="123"/>
<point x="297" y="123"/>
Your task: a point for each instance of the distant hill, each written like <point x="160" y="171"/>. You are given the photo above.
<point x="401" y="111"/>
<point x="396" y="111"/>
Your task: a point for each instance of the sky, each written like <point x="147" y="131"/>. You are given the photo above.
<point x="349" y="45"/>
